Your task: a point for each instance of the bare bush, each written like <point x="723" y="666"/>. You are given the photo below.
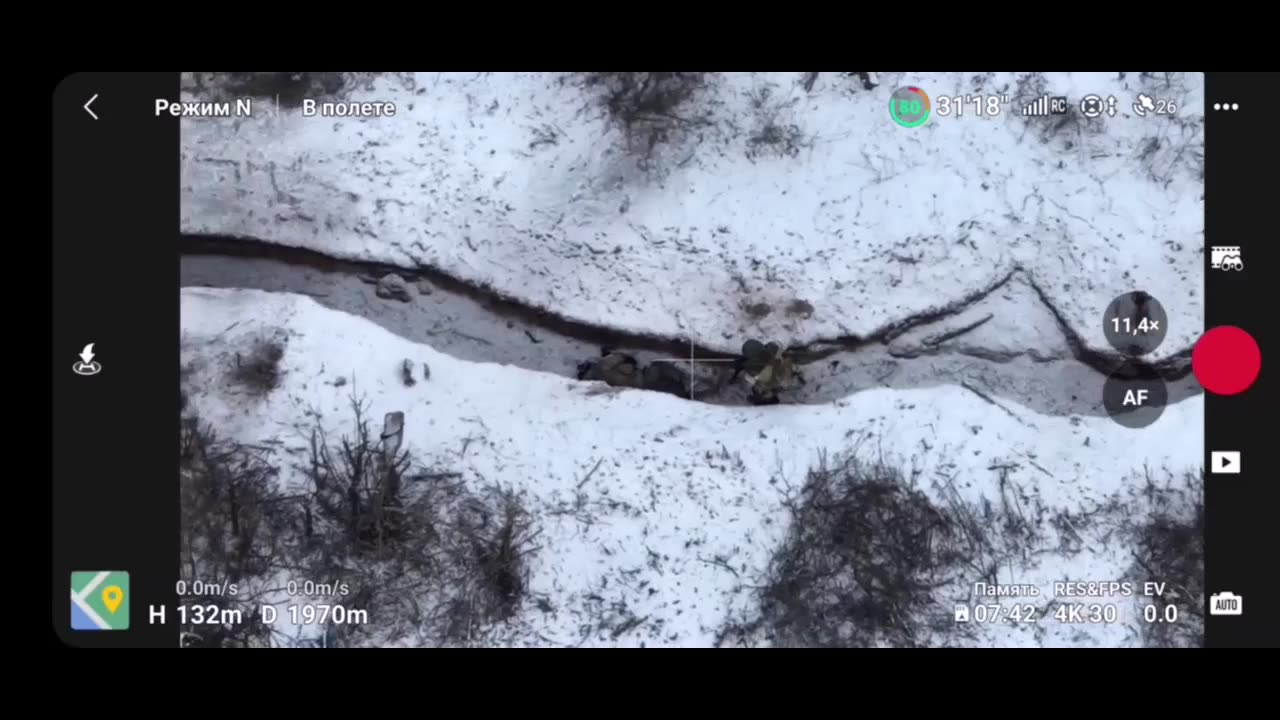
<point x="415" y="548"/>
<point x="490" y="536"/>
<point x="422" y="552"/>
<point x="869" y="560"/>
<point x="775" y="133"/>
<point x="234" y="526"/>
<point x="355" y="485"/>
<point x="652" y="108"/>
<point x="862" y="559"/>
<point x="1177" y="148"/>
<point x="1169" y="549"/>
<point x="257" y="369"/>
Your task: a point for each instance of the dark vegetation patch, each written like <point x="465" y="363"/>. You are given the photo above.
<point x="1169" y="548"/>
<point x="256" y="368"/>
<point x="870" y="560"/>
<point x="234" y="527"/>
<point x="1158" y="523"/>
<point x="776" y="133"/>
<point x="1176" y="145"/>
<point x="757" y="310"/>
<point x="653" y="110"/>
<point x="429" y="557"/>
<point x="800" y="308"/>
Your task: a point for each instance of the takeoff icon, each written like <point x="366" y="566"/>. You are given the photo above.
<point x="87" y="365"/>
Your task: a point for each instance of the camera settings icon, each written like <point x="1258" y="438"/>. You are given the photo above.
<point x="1226" y="603"/>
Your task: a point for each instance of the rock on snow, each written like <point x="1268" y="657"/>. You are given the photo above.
<point x="393" y="287"/>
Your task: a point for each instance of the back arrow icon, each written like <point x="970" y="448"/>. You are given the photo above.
<point x="90" y="102"/>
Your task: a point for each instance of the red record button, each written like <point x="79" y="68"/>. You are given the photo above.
<point x="1226" y="361"/>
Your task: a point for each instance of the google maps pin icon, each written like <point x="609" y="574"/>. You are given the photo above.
<point x="112" y="597"/>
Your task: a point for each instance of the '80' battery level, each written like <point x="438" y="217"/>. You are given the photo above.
<point x="910" y="107"/>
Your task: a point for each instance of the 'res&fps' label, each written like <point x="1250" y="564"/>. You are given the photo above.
<point x="1107" y="588"/>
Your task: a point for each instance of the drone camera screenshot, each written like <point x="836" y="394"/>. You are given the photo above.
<point x="661" y="359"/>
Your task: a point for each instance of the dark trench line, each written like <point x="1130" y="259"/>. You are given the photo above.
<point x="1173" y="368"/>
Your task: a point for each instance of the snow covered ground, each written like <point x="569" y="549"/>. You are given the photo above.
<point x="520" y="182"/>
<point x="686" y="501"/>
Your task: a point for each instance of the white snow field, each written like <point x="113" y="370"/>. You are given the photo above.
<point x="520" y="182"/>
<point x="686" y="500"/>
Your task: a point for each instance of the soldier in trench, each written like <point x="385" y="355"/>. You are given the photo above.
<point x="668" y="378"/>
<point x="766" y="367"/>
<point x="615" y="368"/>
<point x="622" y="370"/>
<point x="768" y="371"/>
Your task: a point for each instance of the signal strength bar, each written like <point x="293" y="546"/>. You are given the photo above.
<point x="1038" y="107"/>
<point x="1045" y="105"/>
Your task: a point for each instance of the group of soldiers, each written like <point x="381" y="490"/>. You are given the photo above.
<point x="765" y="366"/>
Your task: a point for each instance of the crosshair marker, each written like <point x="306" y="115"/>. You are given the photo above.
<point x="693" y="360"/>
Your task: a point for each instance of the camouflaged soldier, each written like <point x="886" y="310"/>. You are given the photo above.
<point x="768" y="371"/>
<point x="668" y="378"/>
<point x="615" y="368"/>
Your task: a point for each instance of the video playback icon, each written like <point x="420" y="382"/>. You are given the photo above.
<point x="1224" y="462"/>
